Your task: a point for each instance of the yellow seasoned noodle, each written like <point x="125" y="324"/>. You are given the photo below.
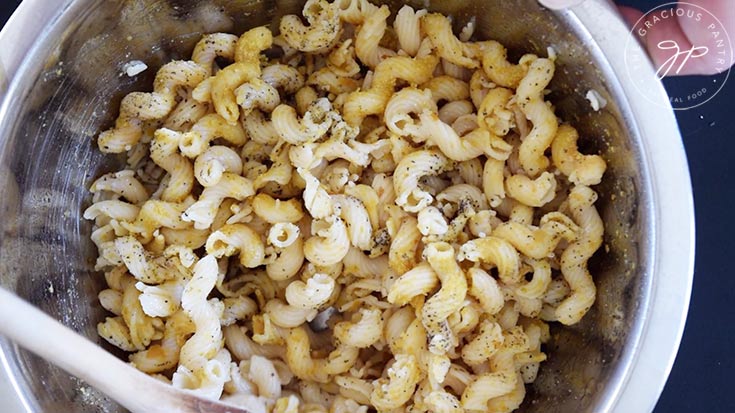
<point x="382" y="218"/>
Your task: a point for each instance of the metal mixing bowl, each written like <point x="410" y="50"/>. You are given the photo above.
<point x="61" y="83"/>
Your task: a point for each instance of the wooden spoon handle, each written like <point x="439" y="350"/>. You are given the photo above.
<point x="34" y="330"/>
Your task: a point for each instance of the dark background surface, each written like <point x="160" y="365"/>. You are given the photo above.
<point x="703" y="372"/>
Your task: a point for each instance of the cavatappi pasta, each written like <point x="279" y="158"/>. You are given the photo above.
<point x="350" y="216"/>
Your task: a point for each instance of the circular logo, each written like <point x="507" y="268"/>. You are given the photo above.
<point x="676" y="54"/>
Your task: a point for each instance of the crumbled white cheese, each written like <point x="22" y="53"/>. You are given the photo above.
<point x="551" y="53"/>
<point x="134" y="68"/>
<point x="596" y="100"/>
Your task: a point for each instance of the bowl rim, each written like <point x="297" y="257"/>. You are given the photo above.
<point x="673" y="237"/>
<point x="670" y="199"/>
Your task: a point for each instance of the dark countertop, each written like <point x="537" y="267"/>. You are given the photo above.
<point x="700" y="379"/>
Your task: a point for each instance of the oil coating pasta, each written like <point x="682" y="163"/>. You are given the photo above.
<point x="351" y="216"/>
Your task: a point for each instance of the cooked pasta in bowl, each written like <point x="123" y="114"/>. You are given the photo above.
<point x="343" y="206"/>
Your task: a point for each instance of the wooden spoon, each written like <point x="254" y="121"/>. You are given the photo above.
<point x="34" y="330"/>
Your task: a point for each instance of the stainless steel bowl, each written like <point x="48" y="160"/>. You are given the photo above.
<point x="61" y="82"/>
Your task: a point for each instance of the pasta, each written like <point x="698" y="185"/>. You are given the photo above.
<point x="211" y="126"/>
<point x="240" y="239"/>
<point x="138" y="107"/>
<point x="410" y="170"/>
<point x="214" y="162"/>
<point x="496" y="251"/>
<point x="545" y="124"/>
<point x="199" y="367"/>
<point x="350" y="216"/>
<point x="408" y="29"/>
<point x="204" y="210"/>
<point x="362" y="333"/>
<point x="324" y="26"/>
<point x="368" y="37"/>
<point x="418" y="281"/>
<point x="181" y="173"/>
<point x="447" y="300"/>
<point x="574" y="258"/>
<point x="580" y="169"/>
<point x="439" y="29"/>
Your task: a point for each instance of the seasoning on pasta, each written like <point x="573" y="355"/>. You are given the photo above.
<point x="368" y="221"/>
